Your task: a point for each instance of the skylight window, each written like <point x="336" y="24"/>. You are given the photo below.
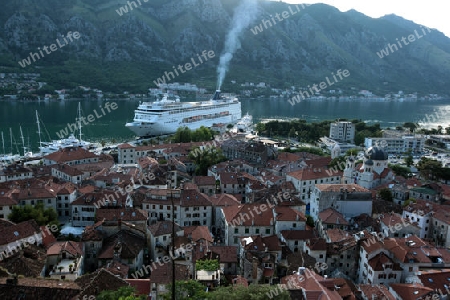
<point x="16" y="233"/>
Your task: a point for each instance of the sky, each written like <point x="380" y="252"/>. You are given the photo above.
<point x="431" y="13"/>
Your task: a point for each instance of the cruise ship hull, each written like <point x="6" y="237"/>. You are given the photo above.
<point x="153" y="119"/>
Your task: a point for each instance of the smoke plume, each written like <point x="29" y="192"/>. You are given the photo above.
<point x="244" y="14"/>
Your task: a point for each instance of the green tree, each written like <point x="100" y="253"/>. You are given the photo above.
<point x="187" y="289"/>
<point x="207" y="265"/>
<point x="41" y="215"/>
<point x="352" y="152"/>
<point x="310" y="221"/>
<point x="385" y="194"/>
<point x="411" y="126"/>
<point x="429" y="168"/>
<point x="123" y="293"/>
<point x="260" y="127"/>
<point x="409" y="159"/>
<point x="253" y="292"/>
<point x="400" y="170"/>
<point x="205" y="158"/>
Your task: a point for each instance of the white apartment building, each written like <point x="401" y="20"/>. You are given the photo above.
<point x="342" y="131"/>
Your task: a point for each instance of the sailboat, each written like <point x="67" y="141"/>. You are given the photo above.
<point x="55" y="145"/>
<point x="9" y="158"/>
<point x="26" y="154"/>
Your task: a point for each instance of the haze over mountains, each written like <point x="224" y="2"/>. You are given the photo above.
<point x="129" y="51"/>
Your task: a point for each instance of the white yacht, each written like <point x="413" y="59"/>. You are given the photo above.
<point x="245" y="124"/>
<point x="166" y="116"/>
<point x="71" y="141"/>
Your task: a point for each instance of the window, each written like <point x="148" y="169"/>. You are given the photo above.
<point x="247" y="230"/>
<point x="257" y="230"/>
<point x="321" y="256"/>
<point x="267" y="230"/>
<point x="236" y="230"/>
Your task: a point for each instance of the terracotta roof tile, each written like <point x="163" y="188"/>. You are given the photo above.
<point x="125" y="214"/>
<point x="38" y="289"/>
<point x="70" y="154"/>
<point x="162" y="228"/>
<point x="285" y="213"/>
<point x="332" y="216"/>
<point x="74" y="248"/>
<point x="380" y="291"/>
<point x="313" y="173"/>
<point x="410" y="291"/>
<point x="204" y="180"/>
<point x="197" y="233"/>
<point x="19" y="231"/>
<point x="223" y="200"/>
<point x="245" y="214"/>
<point x="298" y="234"/>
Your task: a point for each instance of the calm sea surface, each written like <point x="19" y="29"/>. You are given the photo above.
<point x="110" y="126"/>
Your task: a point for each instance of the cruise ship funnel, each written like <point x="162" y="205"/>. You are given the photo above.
<point x="216" y="95"/>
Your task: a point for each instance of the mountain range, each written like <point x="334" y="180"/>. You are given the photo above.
<point x="119" y="50"/>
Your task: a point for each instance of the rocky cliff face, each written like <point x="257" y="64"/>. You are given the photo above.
<point x="305" y="46"/>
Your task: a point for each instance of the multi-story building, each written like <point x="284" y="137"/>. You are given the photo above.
<point x="67" y="173"/>
<point x="245" y="220"/>
<point x="191" y="207"/>
<point x="71" y="156"/>
<point x="351" y="200"/>
<point x="35" y="195"/>
<point x="397" y="142"/>
<point x="342" y="131"/>
<point x="421" y="212"/>
<point x="15" y="172"/>
<point x="305" y="180"/>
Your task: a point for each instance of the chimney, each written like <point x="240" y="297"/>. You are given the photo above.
<point x="255" y="268"/>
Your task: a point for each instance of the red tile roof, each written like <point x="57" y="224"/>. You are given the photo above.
<point x="379" y="291"/>
<point x="228" y="254"/>
<point x="223" y="200"/>
<point x="204" y="180"/>
<point x="39" y="289"/>
<point x="142" y="286"/>
<point x="313" y="174"/>
<point x="286" y="213"/>
<point x="332" y="216"/>
<point x="125" y="214"/>
<point x="249" y="214"/>
<point x="162" y="228"/>
<point x="74" y="248"/>
<point x="70" y="154"/>
<point x="19" y="231"/>
<point x="298" y="234"/>
<point x="197" y="233"/>
<point x="410" y="291"/>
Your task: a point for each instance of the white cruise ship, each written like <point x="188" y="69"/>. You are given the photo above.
<point x="166" y="116"/>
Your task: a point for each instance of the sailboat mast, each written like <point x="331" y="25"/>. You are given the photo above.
<point x="79" y="118"/>
<point x="23" y="140"/>
<point x="10" y="134"/>
<point x="3" y="143"/>
<point x="39" y="129"/>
